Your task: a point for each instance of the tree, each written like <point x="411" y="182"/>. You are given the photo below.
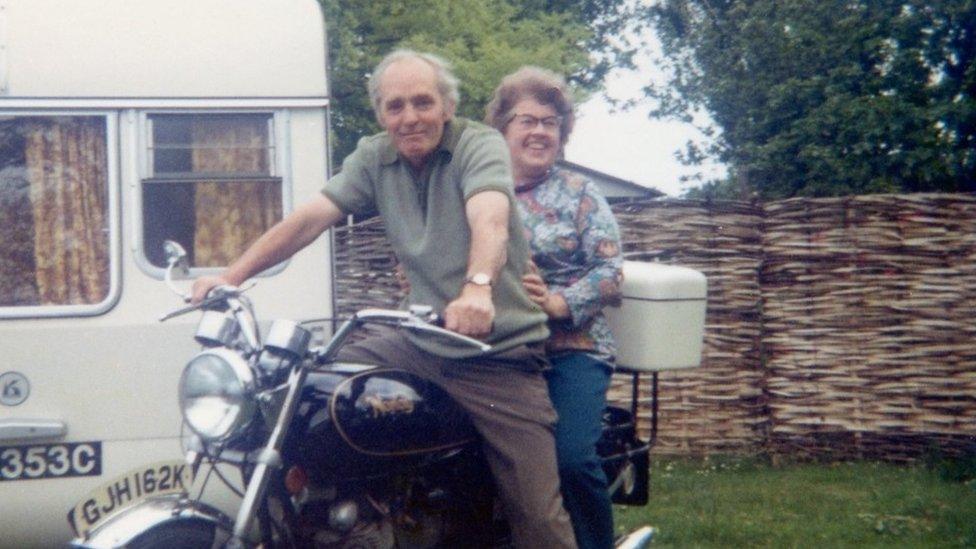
<point x="484" y="40"/>
<point x="825" y="97"/>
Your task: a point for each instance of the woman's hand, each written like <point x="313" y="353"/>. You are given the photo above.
<point x="553" y="304"/>
<point x="400" y="275"/>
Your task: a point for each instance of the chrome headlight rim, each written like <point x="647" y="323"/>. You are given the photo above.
<point x="247" y="402"/>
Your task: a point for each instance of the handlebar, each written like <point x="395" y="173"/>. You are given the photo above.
<point x="418" y="318"/>
<point x="216" y="295"/>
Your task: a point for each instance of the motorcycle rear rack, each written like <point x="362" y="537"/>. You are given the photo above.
<point x="635" y="398"/>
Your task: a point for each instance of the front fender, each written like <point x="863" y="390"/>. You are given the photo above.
<point x="152" y="513"/>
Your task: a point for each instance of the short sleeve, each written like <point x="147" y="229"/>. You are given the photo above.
<point x="484" y="162"/>
<point x="352" y="188"/>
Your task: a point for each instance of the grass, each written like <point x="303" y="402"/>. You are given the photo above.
<point x="741" y="502"/>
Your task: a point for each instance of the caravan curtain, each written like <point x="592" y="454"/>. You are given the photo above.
<point x="230" y="215"/>
<point x="66" y="168"/>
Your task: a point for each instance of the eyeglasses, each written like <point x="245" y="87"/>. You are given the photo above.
<point x="528" y="122"/>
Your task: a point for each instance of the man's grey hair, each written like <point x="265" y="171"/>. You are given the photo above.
<point x="447" y="83"/>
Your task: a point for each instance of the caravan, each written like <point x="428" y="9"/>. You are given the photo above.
<point x="124" y="123"/>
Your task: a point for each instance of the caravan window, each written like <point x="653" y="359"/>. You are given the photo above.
<point x="54" y="211"/>
<point x="212" y="184"/>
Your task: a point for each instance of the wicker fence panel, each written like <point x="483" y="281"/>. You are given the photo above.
<point x="869" y="323"/>
<point x="364" y="263"/>
<point x="718" y="407"/>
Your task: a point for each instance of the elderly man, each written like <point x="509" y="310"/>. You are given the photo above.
<point x="444" y="189"/>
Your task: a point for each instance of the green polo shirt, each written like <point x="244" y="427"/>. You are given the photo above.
<point x="427" y="226"/>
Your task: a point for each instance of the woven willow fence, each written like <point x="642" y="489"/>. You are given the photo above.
<point x="836" y="328"/>
<point x="870" y="324"/>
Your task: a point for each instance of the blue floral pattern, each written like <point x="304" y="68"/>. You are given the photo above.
<point x="575" y="242"/>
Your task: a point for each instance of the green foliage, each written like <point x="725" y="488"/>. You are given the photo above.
<point x="748" y="503"/>
<point x="483" y="39"/>
<point x="826" y="97"/>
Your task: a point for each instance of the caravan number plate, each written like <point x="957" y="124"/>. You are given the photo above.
<point x="70" y="459"/>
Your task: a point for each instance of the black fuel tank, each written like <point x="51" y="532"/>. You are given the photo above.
<point x="354" y="418"/>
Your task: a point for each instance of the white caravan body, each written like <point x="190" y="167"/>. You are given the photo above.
<point x="124" y="123"/>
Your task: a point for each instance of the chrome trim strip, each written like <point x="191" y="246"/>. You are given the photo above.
<point x="31" y="429"/>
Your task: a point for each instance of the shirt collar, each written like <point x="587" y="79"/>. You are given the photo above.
<point x="527" y="186"/>
<point x="445" y="149"/>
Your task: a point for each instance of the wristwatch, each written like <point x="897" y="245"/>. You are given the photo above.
<point x="478" y="279"/>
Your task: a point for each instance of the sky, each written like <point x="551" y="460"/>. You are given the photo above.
<point x="629" y="145"/>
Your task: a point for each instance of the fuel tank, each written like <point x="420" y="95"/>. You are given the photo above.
<point x="359" y="420"/>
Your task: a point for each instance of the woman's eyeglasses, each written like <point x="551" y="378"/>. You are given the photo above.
<point x="528" y="122"/>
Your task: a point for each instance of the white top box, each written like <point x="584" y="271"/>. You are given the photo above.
<point x="660" y="323"/>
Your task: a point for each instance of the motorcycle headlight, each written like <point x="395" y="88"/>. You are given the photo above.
<point x="217" y="394"/>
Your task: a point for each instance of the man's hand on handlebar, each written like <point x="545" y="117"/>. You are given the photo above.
<point x="203" y="285"/>
<point x="472" y="313"/>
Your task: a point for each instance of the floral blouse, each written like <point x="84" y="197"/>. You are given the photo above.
<point x="575" y="243"/>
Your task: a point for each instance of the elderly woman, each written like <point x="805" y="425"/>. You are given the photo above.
<point x="576" y="271"/>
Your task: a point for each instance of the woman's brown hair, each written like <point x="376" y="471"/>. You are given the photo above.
<point x="543" y="85"/>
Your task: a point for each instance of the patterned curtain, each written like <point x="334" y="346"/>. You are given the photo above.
<point x="18" y="283"/>
<point x="230" y="215"/>
<point x="66" y="167"/>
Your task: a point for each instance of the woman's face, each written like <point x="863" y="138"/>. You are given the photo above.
<point x="533" y="139"/>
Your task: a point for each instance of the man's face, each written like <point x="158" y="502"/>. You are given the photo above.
<point x="411" y="109"/>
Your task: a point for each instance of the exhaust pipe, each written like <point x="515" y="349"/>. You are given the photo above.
<point x="639" y="539"/>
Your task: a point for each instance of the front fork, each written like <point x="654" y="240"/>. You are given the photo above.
<point x="269" y="458"/>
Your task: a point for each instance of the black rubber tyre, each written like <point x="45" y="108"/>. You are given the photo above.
<point x="189" y="534"/>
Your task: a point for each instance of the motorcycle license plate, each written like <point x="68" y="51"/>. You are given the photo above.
<point x="156" y="479"/>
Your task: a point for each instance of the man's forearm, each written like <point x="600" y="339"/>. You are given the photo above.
<point x="473" y="312"/>
<point x="284" y="240"/>
<point x="488" y="252"/>
<point x="276" y="245"/>
<point x="488" y="214"/>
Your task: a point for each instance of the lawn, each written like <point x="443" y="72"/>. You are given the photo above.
<point x="737" y="502"/>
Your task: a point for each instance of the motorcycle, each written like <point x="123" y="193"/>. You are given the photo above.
<point x="330" y="454"/>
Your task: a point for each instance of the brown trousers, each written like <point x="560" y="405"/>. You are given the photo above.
<point x="508" y="402"/>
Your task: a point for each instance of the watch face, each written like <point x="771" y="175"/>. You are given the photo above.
<point x="481" y="279"/>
